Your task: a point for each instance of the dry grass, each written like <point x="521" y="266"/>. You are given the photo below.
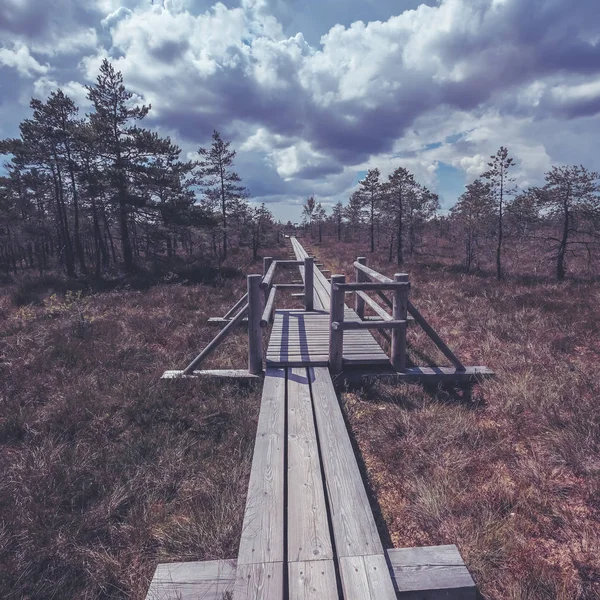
<point x="511" y="471"/>
<point x="105" y="470"/>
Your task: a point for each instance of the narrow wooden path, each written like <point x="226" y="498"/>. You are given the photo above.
<point x="309" y="532"/>
<point x="308" y="527"/>
<point x="300" y="338"/>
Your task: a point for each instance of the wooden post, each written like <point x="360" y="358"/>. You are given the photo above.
<point x="359" y="306"/>
<point x="336" y="314"/>
<point x="254" y="330"/>
<point x="399" y="313"/>
<point x="308" y="284"/>
<point x="267" y="262"/>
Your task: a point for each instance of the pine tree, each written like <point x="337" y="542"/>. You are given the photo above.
<point x="570" y="196"/>
<point x="337" y="216"/>
<point x="219" y="180"/>
<point x="319" y="217"/>
<point x="398" y="189"/>
<point x="355" y="212"/>
<point x="123" y="146"/>
<point x="500" y="182"/>
<point x="473" y="213"/>
<point x="308" y="211"/>
<point x="370" y="192"/>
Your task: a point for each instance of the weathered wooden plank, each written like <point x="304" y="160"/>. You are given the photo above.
<point x="308" y="530"/>
<point x="223" y="320"/>
<point x="267" y="280"/>
<point x="262" y="581"/>
<point x="322" y="348"/>
<point x="362" y="267"/>
<point x="350" y="325"/>
<point x="269" y="306"/>
<point x="300" y="362"/>
<point x="433" y="573"/>
<point x="312" y="580"/>
<point x="350" y="354"/>
<point x="368" y="285"/>
<point x="366" y="578"/>
<point x="423" y="374"/>
<point x="353" y="524"/>
<point x="209" y="580"/>
<point x="224" y="373"/>
<point x="289" y="286"/>
<point x="263" y="528"/>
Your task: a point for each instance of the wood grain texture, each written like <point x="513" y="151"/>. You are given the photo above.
<point x="223" y="320"/>
<point x="366" y="578"/>
<point x="209" y="580"/>
<point x="312" y="580"/>
<point x="308" y="530"/>
<point x="433" y="568"/>
<point x="424" y="374"/>
<point x="354" y="527"/>
<point x="262" y="531"/>
<point x="259" y="582"/>
<point x="224" y="373"/>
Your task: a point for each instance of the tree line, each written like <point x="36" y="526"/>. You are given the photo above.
<point x="91" y="193"/>
<point x="562" y="216"/>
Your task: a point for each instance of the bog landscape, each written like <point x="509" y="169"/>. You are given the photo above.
<point x="206" y="394"/>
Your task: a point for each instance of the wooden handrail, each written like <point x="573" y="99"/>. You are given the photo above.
<point x="270" y="305"/>
<point x="289" y="263"/>
<point x="354" y="325"/>
<point x="371" y="273"/>
<point x="370" y="286"/>
<point x="289" y="286"/>
<point x="376" y="307"/>
<point x="268" y="278"/>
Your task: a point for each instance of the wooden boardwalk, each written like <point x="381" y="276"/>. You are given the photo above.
<point x="300" y="338"/>
<point x="309" y="532"/>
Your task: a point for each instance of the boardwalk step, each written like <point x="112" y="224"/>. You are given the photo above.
<point x="429" y="573"/>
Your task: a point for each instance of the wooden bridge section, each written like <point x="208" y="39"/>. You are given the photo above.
<point x="309" y="531"/>
<point x="300" y="338"/>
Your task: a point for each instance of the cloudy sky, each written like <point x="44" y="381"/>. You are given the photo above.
<point x="312" y="93"/>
